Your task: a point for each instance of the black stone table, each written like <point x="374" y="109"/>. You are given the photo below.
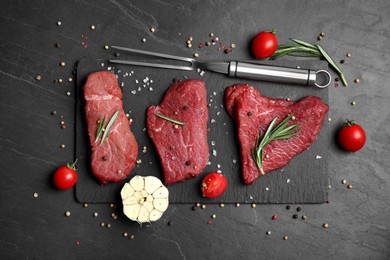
<point x="32" y="220"/>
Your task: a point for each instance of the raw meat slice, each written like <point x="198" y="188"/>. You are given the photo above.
<point x="183" y="150"/>
<point x="115" y="158"/>
<point x="253" y="113"/>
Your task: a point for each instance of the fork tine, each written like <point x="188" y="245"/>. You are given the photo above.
<point x="156" y="54"/>
<point x="155" y="65"/>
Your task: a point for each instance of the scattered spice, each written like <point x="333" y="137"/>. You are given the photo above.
<point x="253" y="205"/>
<point x="357" y="81"/>
<point x="125" y="234"/>
<point x="198" y="204"/>
<point x="108" y="225"/>
<point x="57" y="45"/>
<point x="274" y="217"/>
<point x="53" y="113"/>
<point x="209" y="222"/>
<point x="233" y="46"/>
<point x="77" y="242"/>
<point x="85" y="205"/>
<point x="349" y="186"/>
<point x="249" y="113"/>
<point x="203" y="206"/>
<point x="193" y="208"/>
<point x="342" y="62"/>
<point x="70" y="79"/>
<point x="59" y="23"/>
<point x="39" y="77"/>
<point x="95" y="214"/>
<point x="188" y="162"/>
<point x="353" y="103"/>
<point x="222" y="205"/>
<point x="131" y="237"/>
<point x="349" y="55"/>
<point x="319" y="37"/>
<point x="59" y="80"/>
<point x="288" y="207"/>
<point x="152" y="29"/>
<point x="68" y="93"/>
<point x="92" y="27"/>
<point x="268" y="232"/>
<point x="213" y="216"/>
<point x="295" y="216"/>
<point x="237" y="204"/>
<point x="62" y="146"/>
<point x="67" y="213"/>
<point x="329" y="119"/>
<point x="196" y="55"/>
<point x="112" y="205"/>
<point x="35" y="195"/>
<point x="325" y="225"/>
<point x="285" y="237"/>
<point x="299" y="209"/>
<point x="143" y="40"/>
<point x="343" y="181"/>
<point x="106" y="47"/>
<point x="322" y="34"/>
<point x="102" y="224"/>
<point x="62" y="64"/>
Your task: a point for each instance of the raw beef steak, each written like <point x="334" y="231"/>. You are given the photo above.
<point x="183" y="149"/>
<point x="113" y="160"/>
<point x="253" y="113"/>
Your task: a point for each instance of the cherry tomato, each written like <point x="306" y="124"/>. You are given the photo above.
<point x="65" y="176"/>
<point x="264" y="45"/>
<point x="352" y="136"/>
<point x="214" y="185"/>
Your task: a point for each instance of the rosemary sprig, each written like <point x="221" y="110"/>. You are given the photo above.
<point x="110" y="123"/>
<point x="305" y="49"/>
<point x="168" y="119"/>
<point x="100" y="127"/>
<point x="281" y="131"/>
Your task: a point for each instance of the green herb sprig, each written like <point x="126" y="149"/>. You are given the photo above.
<point x="281" y="131"/>
<point x="106" y="129"/>
<point x="305" y="49"/>
<point x="168" y="119"/>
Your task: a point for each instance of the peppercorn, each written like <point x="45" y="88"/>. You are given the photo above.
<point x="193" y="208"/>
<point x="131" y="237"/>
<point x="288" y="207"/>
<point x="299" y="209"/>
<point x="295" y="216"/>
<point x="274" y="217"/>
<point x="342" y="61"/>
<point x="57" y="45"/>
<point x="285" y="237"/>
<point x="325" y="225"/>
<point x="268" y="232"/>
<point x="343" y="181"/>
<point x="349" y="186"/>
<point x="188" y="162"/>
<point x="322" y="34"/>
<point x="237" y="204"/>
<point x="357" y="81"/>
<point x="253" y="205"/>
<point x="304" y="217"/>
<point x="249" y="113"/>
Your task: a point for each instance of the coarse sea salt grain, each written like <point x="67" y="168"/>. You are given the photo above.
<point x="219" y="171"/>
<point x="136" y="81"/>
<point x="133" y="92"/>
<point x="212" y="143"/>
<point x="208" y="163"/>
<point x="218" y="113"/>
<point x="218" y="166"/>
<point x="234" y="160"/>
<point x="202" y="73"/>
<point x="212" y="121"/>
<point x="214" y="93"/>
<point x="139" y="89"/>
<point x="151" y="89"/>
<point x="318" y="157"/>
<point x="288" y="180"/>
<point x="214" y="153"/>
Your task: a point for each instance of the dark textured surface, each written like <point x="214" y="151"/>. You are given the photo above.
<point x="30" y="137"/>
<point x="304" y="180"/>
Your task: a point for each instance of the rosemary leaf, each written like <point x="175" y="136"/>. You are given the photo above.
<point x="303" y="43"/>
<point x="169" y="119"/>
<point x="110" y="123"/>
<point x="333" y="64"/>
<point x="281" y="131"/>
<point x="100" y="127"/>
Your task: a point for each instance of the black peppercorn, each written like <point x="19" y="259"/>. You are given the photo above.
<point x="188" y="162"/>
<point x="295" y="216"/>
<point x="299" y="209"/>
<point x="288" y="207"/>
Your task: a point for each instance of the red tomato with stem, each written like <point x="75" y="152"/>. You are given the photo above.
<point x="352" y="136"/>
<point x="214" y="185"/>
<point x="264" y="44"/>
<point x="65" y="176"/>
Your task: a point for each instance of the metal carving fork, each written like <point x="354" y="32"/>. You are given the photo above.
<point x="239" y="69"/>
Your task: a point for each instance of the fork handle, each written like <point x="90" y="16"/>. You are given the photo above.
<point x="272" y="73"/>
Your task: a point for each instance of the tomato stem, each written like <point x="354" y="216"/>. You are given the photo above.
<point x="273" y="31"/>
<point x="73" y="165"/>
<point x="350" y="122"/>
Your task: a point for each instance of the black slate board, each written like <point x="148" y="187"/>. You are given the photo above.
<point x="304" y="180"/>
